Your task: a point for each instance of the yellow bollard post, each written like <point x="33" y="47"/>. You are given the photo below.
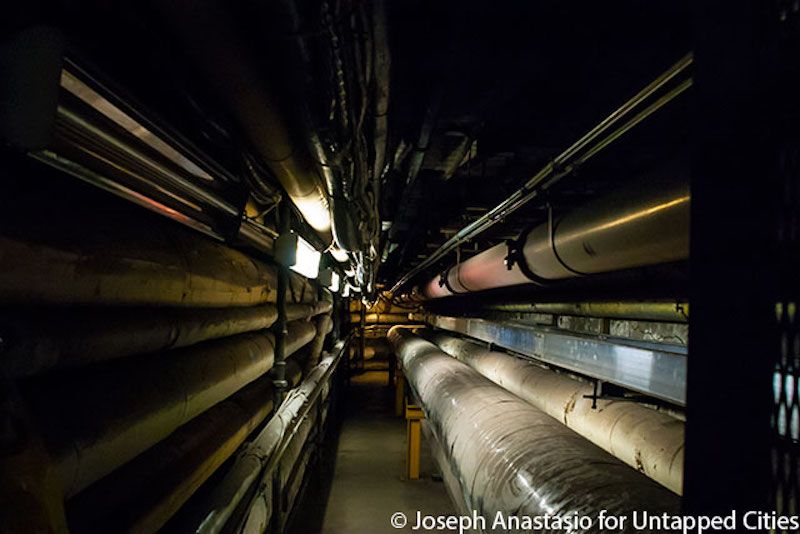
<point x="414" y="417"/>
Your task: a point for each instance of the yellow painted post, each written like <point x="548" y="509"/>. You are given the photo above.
<point x="414" y="417"/>
<point x="399" y="393"/>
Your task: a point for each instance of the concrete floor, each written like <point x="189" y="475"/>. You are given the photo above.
<point x="367" y="484"/>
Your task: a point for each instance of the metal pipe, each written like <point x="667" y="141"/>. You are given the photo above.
<point x="257" y="460"/>
<point x="675" y="311"/>
<point x="43" y="339"/>
<point x="511" y="457"/>
<point x="563" y="164"/>
<point x="634" y="228"/>
<point x="380" y="318"/>
<point x="648" y="440"/>
<point x="69" y="120"/>
<point x="143" y="494"/>
<point x="307" y="311"/>
<point x="99" y="417"/>
<point x="210" y="36"/>
<point x="89" y="260"/>
<point x="654" y="369"/>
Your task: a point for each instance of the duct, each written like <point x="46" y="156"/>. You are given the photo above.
<point x="655" y="369"/>
<point x="89" y="259"/>
<point x="92" y="139"/>
<point x="99" y="417"/>
<point x="592" y="143"/>
<point x="254" y="461"/>
<point x="144" y="493"/>
<point x="43" y="339"/>
<point x="511" y="457"/>
<point x="647" y="440"/>
<point x="639" y="227"/>
<point x="211" y="37"/>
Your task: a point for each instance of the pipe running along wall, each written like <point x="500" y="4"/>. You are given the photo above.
<point x="511" y="457"/>
<point x="215" y="43"/>
<point x="647" y="225"/>
<point x="143" y="494"/>
<point x="97" y="418"/>
<point x="151" y="263"/>
<point x="44" y="339"/>
<point x="647" y="440"/>
<point x="253" y="462"/>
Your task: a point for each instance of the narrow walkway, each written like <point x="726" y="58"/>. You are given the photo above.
<point x="368" y="483"/>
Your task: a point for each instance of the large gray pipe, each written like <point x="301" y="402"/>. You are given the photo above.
<point x="97" y="418"/>
<point x="511" y="457"/>
<point x="647" y="440"/>
<point x="647" y="225"/>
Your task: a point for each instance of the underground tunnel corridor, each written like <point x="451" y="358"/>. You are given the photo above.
<point x="328" y="266"/>
<point x="363" y="481"/>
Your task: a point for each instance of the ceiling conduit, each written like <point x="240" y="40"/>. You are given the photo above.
<point x="211" y="37"/>
<point x="639" y="227"/>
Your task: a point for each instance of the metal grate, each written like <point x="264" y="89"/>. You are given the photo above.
<point x="786" y="378"/>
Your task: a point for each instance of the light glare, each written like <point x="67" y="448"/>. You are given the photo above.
<point x="307" y="261"/>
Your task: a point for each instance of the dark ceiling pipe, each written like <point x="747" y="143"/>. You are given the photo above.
<point x="211" y="37"/>
<point x="646" y="225"/>
<point x="617" y="124"/>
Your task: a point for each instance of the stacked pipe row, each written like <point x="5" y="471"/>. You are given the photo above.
<point x="157" y="371"/>
<point x="244" y="494"/>
<point x="648" y="440"/>
<point x="510" y="457"/>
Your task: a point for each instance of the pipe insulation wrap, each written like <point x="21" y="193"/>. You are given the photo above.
<point x="97" y="418"/>
<point x="143" y="494"/>
<point x="155" y="265"/>
<point x="648" y="225"/>
<point x="509" y="456"/>
<point x="51" y="338"/>
<point x="45" y="339"/>
<point x="647" y="440"/>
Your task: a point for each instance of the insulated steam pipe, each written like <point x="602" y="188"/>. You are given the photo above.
<point x="91" y="259"/>
<point x="577" y="154"/>
<point x="97" y="418"/>
<point x="40" y="340"/>
<point x="647" y="440"/>
<point x="143" y="494"/>
<point x="635" y="228"/>
<point x="43" y="339"/>
<point x="511" y="457"/>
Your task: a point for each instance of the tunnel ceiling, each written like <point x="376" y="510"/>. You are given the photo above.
<point x="482" y="95"/>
